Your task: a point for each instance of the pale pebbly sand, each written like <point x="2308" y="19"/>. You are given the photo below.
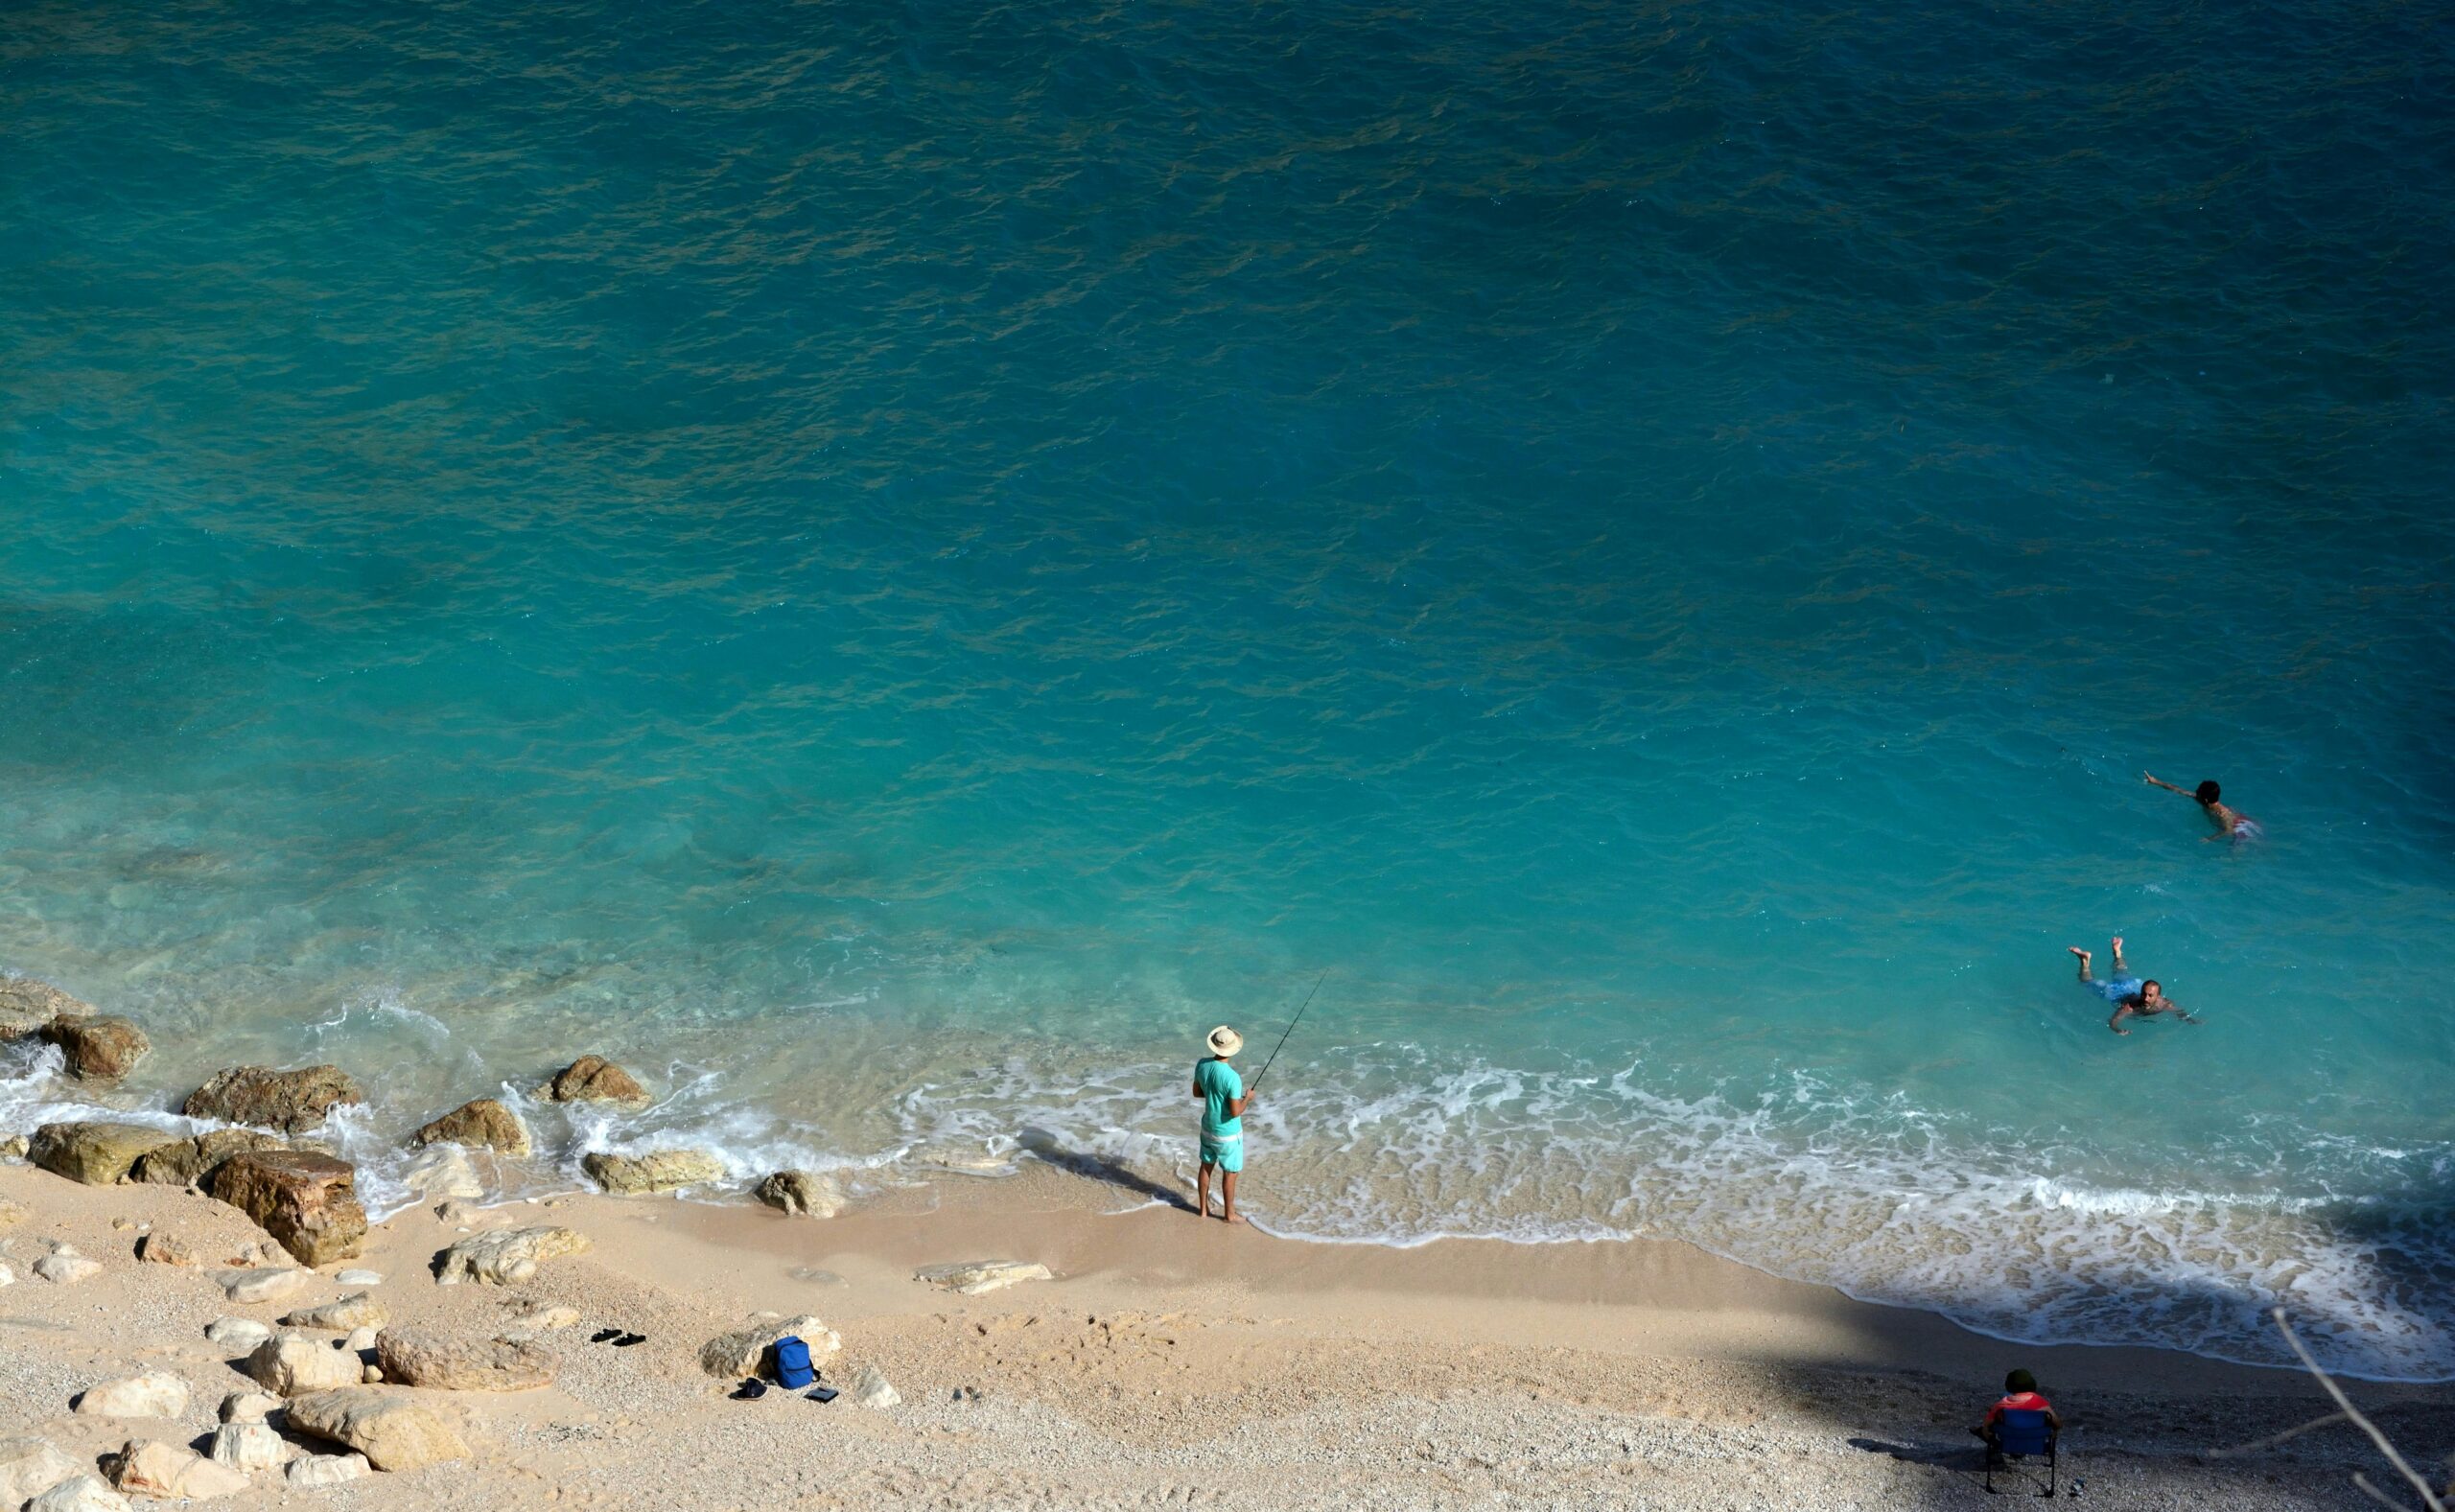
<point x="1172" y="1362"/>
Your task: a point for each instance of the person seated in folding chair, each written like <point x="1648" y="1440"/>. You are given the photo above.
<point x="2022" y="1424"/>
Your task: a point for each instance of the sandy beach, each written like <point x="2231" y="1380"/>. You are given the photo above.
<point x="1168" y="1362"/>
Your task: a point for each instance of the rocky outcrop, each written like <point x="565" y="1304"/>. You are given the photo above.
<point x="291" y="1100"/>
<point x="810" y="1192"/>
<point x="422" y="1357"/>
<point x="165" y="1249"/>
<point x="246" y="1446"/>
<point x="78" y="1493"/>
<point x="156" y="1393"/>
<point x="871" y="1388"/>
<point x="729" y="1356"/>
<point x="29" y="1467"/>
<point x="98" y="1048"/>
<point x="506" y="1257"/>
<point x="484" y="1124"/>
<point x="316" y="1472"/>
<point x="185" y="1162"/>
<point x="390" y="1429"/>
<point x="594" y="1078"/>
<point x="267" y="1284"/>
<point x="659" y="1171"/>
<point x="973" y="1277"/>
<point x="306" y="1200"/>
<point x="27" y="1005"/>
<point x="287" y="1365"/>
<point x="166" y="1471"/>
<point x="92" y="1153"/>
<point x="355" y="1311"/>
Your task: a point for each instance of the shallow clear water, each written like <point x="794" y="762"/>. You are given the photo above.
<point x="890" y="566"/>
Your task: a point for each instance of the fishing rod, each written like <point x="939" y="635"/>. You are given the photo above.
<point x="1291" y="1029"/>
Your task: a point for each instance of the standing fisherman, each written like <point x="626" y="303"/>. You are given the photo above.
<point x="1223" y="1121"/>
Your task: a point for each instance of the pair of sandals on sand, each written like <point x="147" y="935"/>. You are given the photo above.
<point x="619" y="1338"/>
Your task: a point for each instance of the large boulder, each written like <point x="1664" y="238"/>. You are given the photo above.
<point x="729" y="1356"/>
<point x="156" y="1393"/>
<point x="484" y="1123"/>
<point x="973" y="1277"/>
<point x="94" y="1154"/>
<point x="29" y="1467"/>
<point x="98" y="1048"/>
<point x="186" y="1162"/>
<point x="594" y="1078"/>
<point x="27" y="1005"/>
<point x="658" y="1171"/>
<point x="810" y="1192"/>
<point x="507" y="1256"/>
<point x="291" y="1100"/>
<point x="166" y="1471"/>
<point x="287" y="1365"/>
<point x="78" y="1493"/>
<point x="389" y="1428"/>
<point x="307" y="1200"/>
<point x="422" y="1357"/>
<point x="353" y="1312"/>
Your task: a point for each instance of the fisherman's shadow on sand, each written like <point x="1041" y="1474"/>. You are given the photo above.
<point x="1042" y="1145"/>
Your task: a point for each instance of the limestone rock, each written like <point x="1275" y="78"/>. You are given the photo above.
<point x="506" y="1257"/>
<point x="371" y="1376"/>
<point x="185" y="1162"/>
<point x="263" y="1098"/>
<point x="27" y="1005"/>
<point x="314" y="1472"/>
<point x="98" y="1048"/>
<point x="872" y="1388"/>
<point x="29" y="1467"/>
<point x="389" y="1428"/>
<point x="7" y="1277"/>
<point x="93" y="1153"/>
<point x="240" y="1334"/>
<point x="248" y="1407"/>
<point x="485" y="1124"/>
<point x="730" y="1357"/>
<point x="360" y="1340"/>
<point x="350" y="1312"/>
<point x="266" y="1284"/>
<point x="659" y="1171"/>
<point x="165" y="1249"/>
<point x="64" y="1266"/>
<point x="973" y="1277"/>
<point x="444" y="1171"/>
<point x="156" y="1393"/>
<point x="308" y="1202"/>
<point x="594" y="1078"/>
<point x="248" y="1446"/>
<point x="810" y="1192"/>
<point x="150" y="1468"/>
<point x="359" y="1278"/>
<point x="13" y="1148"/>
<point x="287" y="1365"/>
<point x="78" y="1493"/>
<point x="422" y="1357"/>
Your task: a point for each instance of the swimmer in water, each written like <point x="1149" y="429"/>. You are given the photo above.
<point x="2131" y="997"/>
<point x="2232" y="824"/>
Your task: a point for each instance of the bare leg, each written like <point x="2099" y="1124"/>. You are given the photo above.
<point x="1227" y="1194"/>
<point x="2083" y="959"/>
<point x="1202" y="1188"/>
<point x="2118" y="967"/>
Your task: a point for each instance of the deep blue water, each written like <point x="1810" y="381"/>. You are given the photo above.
<point x="890" y="566"/>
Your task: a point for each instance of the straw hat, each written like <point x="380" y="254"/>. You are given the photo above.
<point x="1226" y="1041"/>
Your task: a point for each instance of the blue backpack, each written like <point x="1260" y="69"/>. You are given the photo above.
<point x="793" y="1364"/>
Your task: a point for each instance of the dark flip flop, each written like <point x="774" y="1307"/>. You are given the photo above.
<point x="750" y="1390"/>
<point x="604" y="1334"/>
<point x="821" y="1394"/>
<point x="628" y="1339"/>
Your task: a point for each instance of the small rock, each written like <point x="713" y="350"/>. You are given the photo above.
<point x="350" y="1312"/>
<point x="78" y="1493"/>
<point x="13" y="1213"/>
<point x="659" y="1171"/>
<point x="973" y="1277"/>
<point x="730" y="1357"/>
<point x="361" y="1278"/>
<point x="444" y="1171"/>
<point x="370" y="1375"/>
<point x="98" y="1048"/>
<point x="156" y="1393"/>
<point x="13" y="1148"/>
<point x="29" y="1467"/>
<point x="150" y="1468"/>
<point x="249" y="1447"/>
<point x="248" y="1407"/>
<point x="506" y="1257"/>
<point x="816" y="1276"/>
<point x="484" y="1123"/>
<point x="360" y="1339"/>
<point x="390" y="1429"/>
<point x="7" y="1277"/>
<point x="287" y="1365"/>
<point x="27" y="1005"/>
<point x="165" y="1249"/>
<point x="94" y="1154"/>
<point x="308" y="1202"/>
<point x="420" y="1357"/>
<point x="291" y="1100"/>
<point x="238" y="1334"/>
<point x="314" y="1472"/>
<point x="536" y="1316"/>
<point x="810" y="1192"/>
<point x="871" y="1388"/>
<point x="190" y="1162"/>
<point x="594" y="1078"/>
<point x="66" y="1268"/>
<point x="269" y="1284"/>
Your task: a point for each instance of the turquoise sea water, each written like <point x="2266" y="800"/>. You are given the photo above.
<point x="889" y="565"/>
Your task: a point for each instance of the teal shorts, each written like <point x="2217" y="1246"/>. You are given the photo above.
<point x="1227" y="1152"/>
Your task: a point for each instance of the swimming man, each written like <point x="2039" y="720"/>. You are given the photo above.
<point x="1223" y="1121"/>
<point x="2131" y="997"/>
<point x="2232" y="824"/>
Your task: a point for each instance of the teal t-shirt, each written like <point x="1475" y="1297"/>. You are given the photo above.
<point x="1219" y="1082"/>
